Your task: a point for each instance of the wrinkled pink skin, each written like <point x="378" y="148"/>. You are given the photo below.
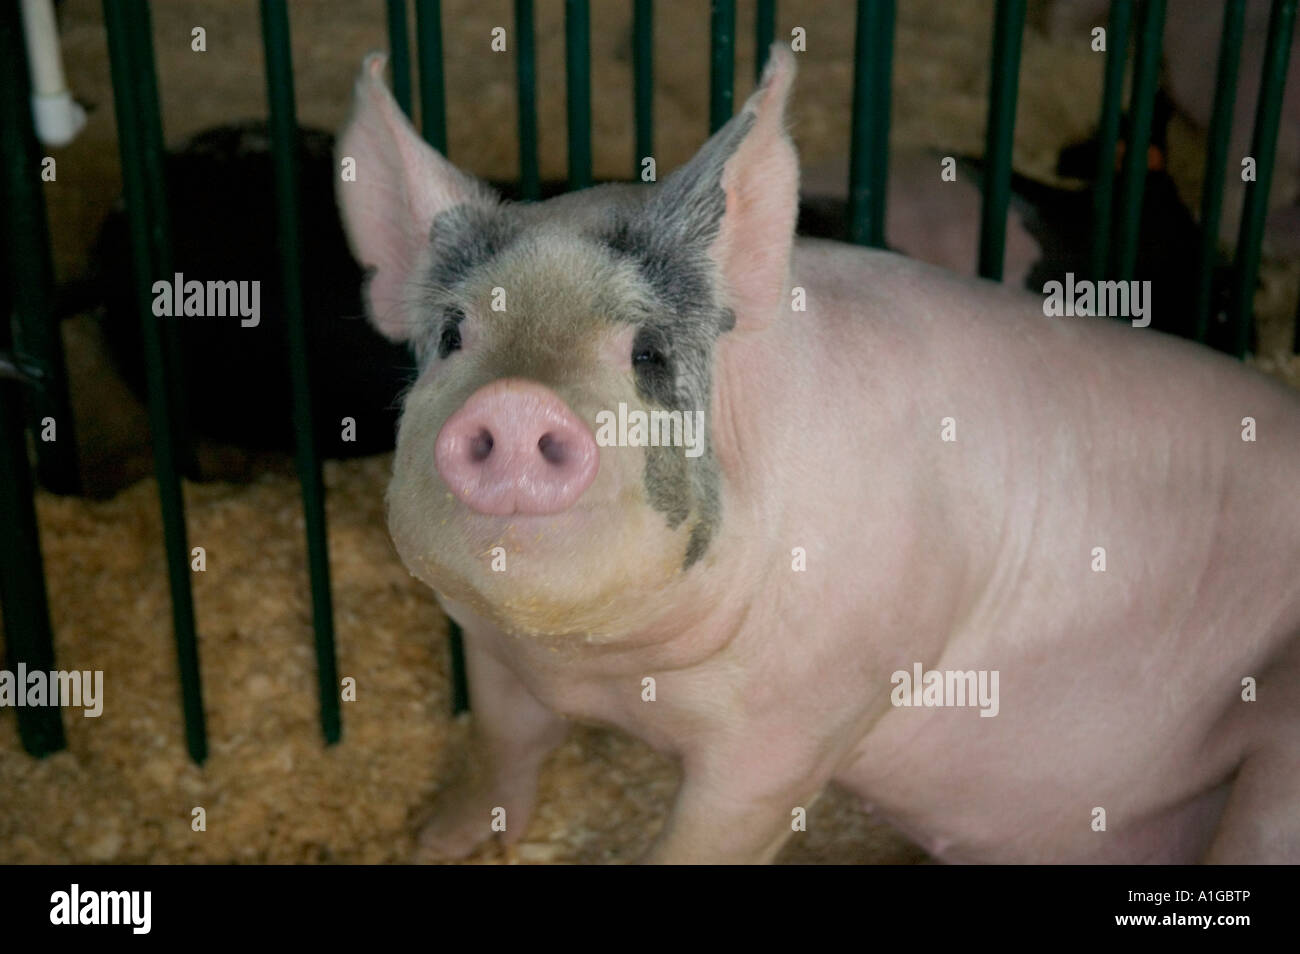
<point x="1119" y="689"/>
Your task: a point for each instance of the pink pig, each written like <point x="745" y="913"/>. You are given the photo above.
<point x="1082" y="536"/>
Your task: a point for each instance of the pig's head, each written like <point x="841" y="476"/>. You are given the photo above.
<point x="532" y="324"/>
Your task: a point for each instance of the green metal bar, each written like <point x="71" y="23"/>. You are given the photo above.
<point x="722" y="62"/>
<point x="433" y="126"/>
<point x="433" y="94"/>
<point x="399" y="44"/>
<point x="643" y="83"/>
<point x="399" y="53"/>
<point x="1295" y="343"/>
<point x="764" y="34"/>
<point x="23" y="601"/>
<point x="1268" y="111"/>
<point x="1008" y="29"/>
<point x="1103" y="190"/>
<point x="459" y="679"/>
<point x="526" y="75"/>
<point x="864" y="152"/>
<point x="144" y="85"/>
<point x="284" y="141"/>
<point x="169" y="488"/>
<point x="1146" y="75"/>
<point x="30" y="268"/>
<point x="869" y="142"/>
<point x="577" y="78"/>
<point x="1216" y="154"/>
<point x="883" y="64"/>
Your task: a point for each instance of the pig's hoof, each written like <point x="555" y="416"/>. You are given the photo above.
<point x="468" y="813"/>
<point x="451" y="836"/>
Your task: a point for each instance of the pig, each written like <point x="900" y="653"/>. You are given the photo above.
<point x="904" y="470"/>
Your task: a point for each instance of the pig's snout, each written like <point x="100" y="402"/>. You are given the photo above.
<point x="515" y="447"/>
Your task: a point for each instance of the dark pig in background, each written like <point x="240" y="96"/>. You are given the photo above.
<point x="1026" y="585"/>
<point x="221" y="201"/>
<point x="1190" y="47"/>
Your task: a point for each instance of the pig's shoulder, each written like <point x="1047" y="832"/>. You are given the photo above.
<point x="860" y="278"/>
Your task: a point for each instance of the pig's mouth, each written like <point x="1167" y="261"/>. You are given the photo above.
<point x="522" y="531"/>
<point x="590" y="569"/>
<point x="555" y="537"/>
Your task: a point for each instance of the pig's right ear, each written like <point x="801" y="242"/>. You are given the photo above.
<point x="397" y="187"/>
<point x="738" y="198"/>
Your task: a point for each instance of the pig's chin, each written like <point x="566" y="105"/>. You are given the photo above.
<point x="596" y="573"/>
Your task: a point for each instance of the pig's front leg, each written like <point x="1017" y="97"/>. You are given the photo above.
<point x="734" y="809"/>
<point x="511" y="736"/>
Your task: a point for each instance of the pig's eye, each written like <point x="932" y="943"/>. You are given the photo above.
<point x="449" y="339"/>
<point x="647" y="352"/>
<point x="651" y="365"/>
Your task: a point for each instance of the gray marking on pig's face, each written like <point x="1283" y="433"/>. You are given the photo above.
<point x="466" y="236"/>
<point x="461" y="239"/>
<point x="668" y="239"/>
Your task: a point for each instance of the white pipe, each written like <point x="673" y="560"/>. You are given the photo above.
<point x="57" y="116"/>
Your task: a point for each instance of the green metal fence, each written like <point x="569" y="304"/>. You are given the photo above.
<point x="32" y="377"/>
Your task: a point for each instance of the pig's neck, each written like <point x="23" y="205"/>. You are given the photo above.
<point x="816" y="431"/>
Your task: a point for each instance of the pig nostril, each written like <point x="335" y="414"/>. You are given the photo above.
<point x="552" y="450"/>
<point x="481" y="446"/>
<point x="514" y="447"/>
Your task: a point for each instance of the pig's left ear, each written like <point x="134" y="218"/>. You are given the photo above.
<point x="739" y="196"/>
<point x="399" y="186"/>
